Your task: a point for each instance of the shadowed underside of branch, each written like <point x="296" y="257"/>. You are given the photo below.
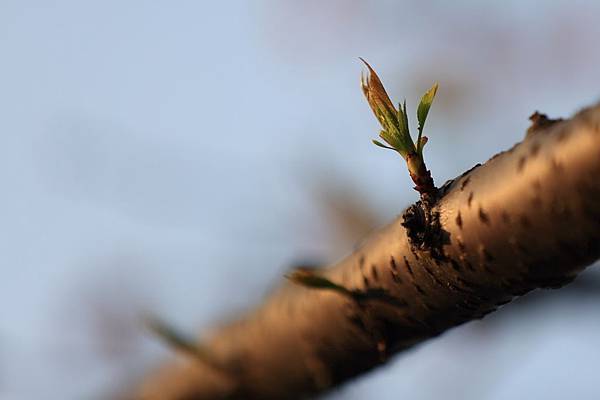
<point x="528" y="218"/>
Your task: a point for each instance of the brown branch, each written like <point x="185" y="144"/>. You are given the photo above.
<point x="528" y="218"/>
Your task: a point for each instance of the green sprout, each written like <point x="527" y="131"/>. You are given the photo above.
<point x="422" y="111"/>
<point x="175" y="339"/>
<point x="395" y="129"/>
<point x="185" y="344"/>
<point x="310" y="278"/>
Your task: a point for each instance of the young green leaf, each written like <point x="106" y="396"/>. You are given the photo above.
<point x="378" y="143"/>
<point x="394" y="139"/>
<point x="394" y="122"/>
<point x="396" y="132"/>
<point x="377" y="97"/>
<point x="403" y="122"/>
<point x="309" y="278"/>
<point x="175" y="339"/>
<point x="422" y="112"/>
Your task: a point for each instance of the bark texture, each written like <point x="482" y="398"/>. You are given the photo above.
<point x="528" y="218"/>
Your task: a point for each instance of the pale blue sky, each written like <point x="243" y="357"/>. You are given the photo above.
<point x="169" y="148"/>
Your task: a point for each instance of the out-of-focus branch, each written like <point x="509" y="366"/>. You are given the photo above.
<point x="528" y="218"/>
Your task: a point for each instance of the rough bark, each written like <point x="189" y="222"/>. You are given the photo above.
<point x="528" y="218"/>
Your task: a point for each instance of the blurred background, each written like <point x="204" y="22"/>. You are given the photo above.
<point x="179" y="157"/>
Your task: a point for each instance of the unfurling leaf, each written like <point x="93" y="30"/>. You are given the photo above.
<point x="396" y="133"/>
<point x="403" y="121"/>
<point x="422" y="112"/>
<point x="378" y="143"/>
<point x="394" y="122"/>
<point x="375" y="93"/>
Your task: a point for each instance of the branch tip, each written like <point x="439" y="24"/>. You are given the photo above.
<point x="396" y="130"/>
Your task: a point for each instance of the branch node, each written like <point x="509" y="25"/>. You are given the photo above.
<point x="424" y="229"/>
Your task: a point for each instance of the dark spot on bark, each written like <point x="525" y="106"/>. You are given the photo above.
<point x="357" y="321"/>
<point x="483" y="217"/>
<point x="361" y="261"/>
<point x="521" y="163"/>
<point x="374" y="272"/>
<point x="459" y="220"/>
<point x="464" y="183"/>
<point x="536" y="201"/>
<point x="537" y="186"/>
<point x="366" y="281"/>
<point x="465" y="262"/>
<point x="393" y="263"/>
<point x="534" y="149"/>
<point x="461" y="245"/>
<point x="470" y="199"/>
<point x="419" y="289"/>
<point x="410" y="271"/>
<point x="433" y="277"/>
<point x="505" y="217"/>
<point x="486" y="255"/>
<point x="525" y="222"/>
<point x="455" y="265"/>
<point x="396" y="277"/>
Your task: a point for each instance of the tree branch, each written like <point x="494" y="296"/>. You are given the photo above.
<point x="528" y="218"/>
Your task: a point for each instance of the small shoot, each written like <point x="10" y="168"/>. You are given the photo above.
<point x="422" y="111"/>
<point x="175" y="339"/>
<point x="309" y="278"/>
<point x="396" y="132"/>
<point x="181" y="342"/>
